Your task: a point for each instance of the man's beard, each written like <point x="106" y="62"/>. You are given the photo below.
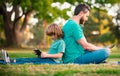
<point x="82" y="21"/>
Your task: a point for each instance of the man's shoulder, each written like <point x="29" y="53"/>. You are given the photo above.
<point x="70" y="23"/>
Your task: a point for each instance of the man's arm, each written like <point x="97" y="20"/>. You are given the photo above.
<point x="87" y="46"/>
<point x="46" y="55"/>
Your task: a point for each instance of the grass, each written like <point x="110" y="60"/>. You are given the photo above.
<point x="59" y="70"/>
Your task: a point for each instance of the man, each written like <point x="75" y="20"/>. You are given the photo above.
<point x="78" y="50"/>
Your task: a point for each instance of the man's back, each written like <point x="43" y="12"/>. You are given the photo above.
<point x="72" y="33"/>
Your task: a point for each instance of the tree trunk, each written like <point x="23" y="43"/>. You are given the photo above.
<point x="9" y="32"/>
<point x="45" y="23"/>
<point x="13" y="31"/>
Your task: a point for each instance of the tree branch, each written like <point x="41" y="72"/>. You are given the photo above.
<point x="17" y="17"/>
<point x="6" y="15"/>
<point x="26" y="19"/>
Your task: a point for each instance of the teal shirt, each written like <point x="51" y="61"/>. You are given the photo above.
<point x="72" y="33"/>
<point x="57" y="47"/>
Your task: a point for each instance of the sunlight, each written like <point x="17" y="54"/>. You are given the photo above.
<point x="65" y="5"/>
<point x="112" y="11"/>
<point x="60" y="6"/>
<point x="95" y="32"/>
<point x="9" y="6"/>
<point x="13" y="16"/>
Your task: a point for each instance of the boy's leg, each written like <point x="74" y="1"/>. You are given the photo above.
<point x="96" y="57"/>
<point x="34" y="61"/>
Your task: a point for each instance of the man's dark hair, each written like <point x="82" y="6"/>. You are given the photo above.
<point x="81" y="7"/>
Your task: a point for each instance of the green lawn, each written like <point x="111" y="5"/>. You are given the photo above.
<point x="61" y="69"/>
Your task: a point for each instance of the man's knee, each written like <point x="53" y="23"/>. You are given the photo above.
<point x="105" y="52"/>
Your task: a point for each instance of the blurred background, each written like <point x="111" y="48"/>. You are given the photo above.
<point x="23" y="22"/>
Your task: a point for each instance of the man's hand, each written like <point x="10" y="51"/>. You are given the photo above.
<point x="109" y="50"/>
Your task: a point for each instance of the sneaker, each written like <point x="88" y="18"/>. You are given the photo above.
<point x="37" y="52"/>
<point x="5" y="56"/>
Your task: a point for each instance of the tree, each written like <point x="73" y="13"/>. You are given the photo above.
<point x="97" y="27"/>
<point x="116" y="29"/>
<point x="15" y="28"/>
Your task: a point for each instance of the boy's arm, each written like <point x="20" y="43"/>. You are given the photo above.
<point x="46" y="55"/>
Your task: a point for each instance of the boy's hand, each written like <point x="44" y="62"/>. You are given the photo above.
<point x="37" y="52"/>
<point x="44" y="55"/>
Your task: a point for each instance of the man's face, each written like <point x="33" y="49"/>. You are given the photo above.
<point x="84" y="17"/>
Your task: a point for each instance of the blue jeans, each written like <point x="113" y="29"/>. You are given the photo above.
<point x="95" y="57"/>
<point x="34" y="61"/>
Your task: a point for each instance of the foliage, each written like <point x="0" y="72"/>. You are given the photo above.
<point x="38" y="32"/>
<point x="14" y="30"/>
<point x="100" y="23"/>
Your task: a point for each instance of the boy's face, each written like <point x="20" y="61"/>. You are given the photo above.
<point x="53" y="37"/>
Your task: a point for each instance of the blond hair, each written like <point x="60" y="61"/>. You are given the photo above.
<point x="54" y="29"/>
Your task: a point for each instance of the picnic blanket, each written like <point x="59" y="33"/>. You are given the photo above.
<point x="40" y="61"/>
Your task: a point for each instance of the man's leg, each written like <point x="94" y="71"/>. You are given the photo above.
<point x="96" y="57"/>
